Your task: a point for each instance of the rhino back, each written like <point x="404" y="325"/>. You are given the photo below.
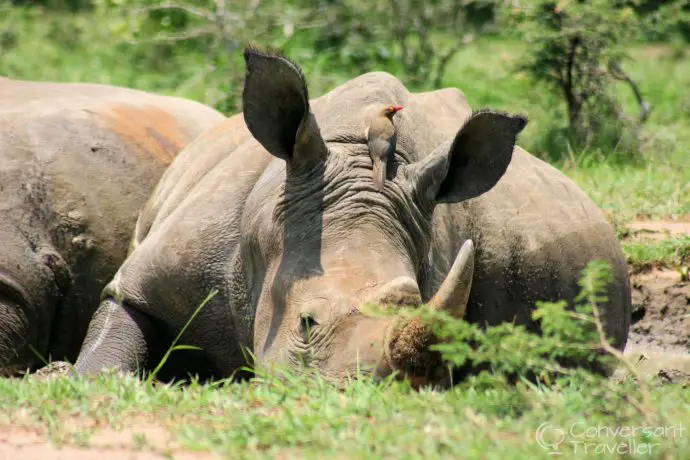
<point x="95" y="152"/>
<point x="427" y="119"/>
<point x="186" y="242"/>
<point x="190" y="168"/>
<point x="534" y="232"/>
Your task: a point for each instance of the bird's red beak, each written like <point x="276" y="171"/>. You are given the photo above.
<point x="397" y="108"/>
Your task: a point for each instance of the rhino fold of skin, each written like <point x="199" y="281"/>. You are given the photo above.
<point x="277" y="210"/>
<point x="77" y="163"/>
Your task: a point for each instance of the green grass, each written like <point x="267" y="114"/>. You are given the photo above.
<point x="626" y="192"/>
<point x="64" y="47"/>
<point x="309" y="418"/>
<point x="672" y="252"/>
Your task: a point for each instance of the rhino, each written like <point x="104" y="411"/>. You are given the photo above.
<point x="277" y="211"/>
<point x="77" y="164"/>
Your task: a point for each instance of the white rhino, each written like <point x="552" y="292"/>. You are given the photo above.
<point x="277" y="210"/>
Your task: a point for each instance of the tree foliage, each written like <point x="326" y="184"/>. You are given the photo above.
<point x="575" y="47"/>
<point x="416" y="40"/>
<point x="217" y="28"/>
<point x="661" y="20"/>
<point x="421" y="38"/>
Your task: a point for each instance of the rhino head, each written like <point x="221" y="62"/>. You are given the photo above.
<point x="319" y="241"/>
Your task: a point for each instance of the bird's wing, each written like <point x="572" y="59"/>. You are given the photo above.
<point x="381" y="148"/>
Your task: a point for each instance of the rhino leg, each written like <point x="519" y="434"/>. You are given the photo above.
<point x="118" y="337"/>
<point x="14" y="335"/>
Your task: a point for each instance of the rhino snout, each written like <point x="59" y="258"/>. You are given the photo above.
<point x="407" y="347"/>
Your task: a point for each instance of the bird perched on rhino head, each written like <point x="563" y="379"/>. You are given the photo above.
<point x="381" y="139"/>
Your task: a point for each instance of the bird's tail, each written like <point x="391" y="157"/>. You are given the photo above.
<point x="379" y="174"/>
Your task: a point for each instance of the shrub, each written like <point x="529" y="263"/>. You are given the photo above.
<point x="416" y="40"/>
<point x="427" y="35"/>
<point x="509" y="350"/>
<point x="160" y="31"/>
<point x="575" y="49"/>
<point x="661" y="20"/>
<point x="508" y="356"/>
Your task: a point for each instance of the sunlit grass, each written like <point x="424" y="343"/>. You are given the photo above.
<point x="309" y="417"/>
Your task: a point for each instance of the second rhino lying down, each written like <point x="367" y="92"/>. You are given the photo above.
<point x="278" y="211"/>
<point x="77" y="163"/>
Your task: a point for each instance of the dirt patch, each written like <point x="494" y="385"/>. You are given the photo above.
<point x="661" y="311"/>
<point x="137" y="441"/>
<point x="659" y="229"/>
<point x="660" y="300"/>
<point x="656" y="51"/>
<point x="659" y="340"/>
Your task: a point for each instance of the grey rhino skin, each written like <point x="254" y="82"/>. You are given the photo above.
<point x="279" y="213"/>
<point x="77" y="163"/>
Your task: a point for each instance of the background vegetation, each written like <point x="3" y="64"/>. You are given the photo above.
<point x="605" y="86"/>
<point x="503" y="54"/>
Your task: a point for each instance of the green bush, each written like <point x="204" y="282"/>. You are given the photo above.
<point x="661" y="20"/>
<point x="570" y="352"/>
<point x="510" y="351"/>
<point x="65" y="5"/>
<point x="575" y="48"/>
<point x="418" y="38"/>
<point x="415" y="40"/>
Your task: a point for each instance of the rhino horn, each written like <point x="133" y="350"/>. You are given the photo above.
<point x="454" y="292"/>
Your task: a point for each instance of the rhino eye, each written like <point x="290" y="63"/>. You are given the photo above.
<point x="307" y="324"/>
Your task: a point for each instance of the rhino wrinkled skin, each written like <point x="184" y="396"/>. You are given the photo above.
<point x="277" y="210"/>
<point x="77" y="163"/>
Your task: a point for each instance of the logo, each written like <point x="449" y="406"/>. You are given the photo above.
<point x="603" y="439"/>
<point x="550" y="438"/>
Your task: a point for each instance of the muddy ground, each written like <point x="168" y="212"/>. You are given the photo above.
<point x="659" y="340"/>
<point x="659" y="345"/>
<point x="661" y="311"/>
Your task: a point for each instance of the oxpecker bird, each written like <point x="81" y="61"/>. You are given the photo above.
<point x="381" y="138"/>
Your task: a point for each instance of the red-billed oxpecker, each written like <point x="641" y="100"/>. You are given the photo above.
<point x="381" y="139"/>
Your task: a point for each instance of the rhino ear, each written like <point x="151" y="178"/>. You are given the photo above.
<point x="472" y="162"/>
<point x="277" y="112"/>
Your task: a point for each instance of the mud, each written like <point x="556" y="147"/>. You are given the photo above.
<point x="661" y="311"/>
<point x="659" y="340"/>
